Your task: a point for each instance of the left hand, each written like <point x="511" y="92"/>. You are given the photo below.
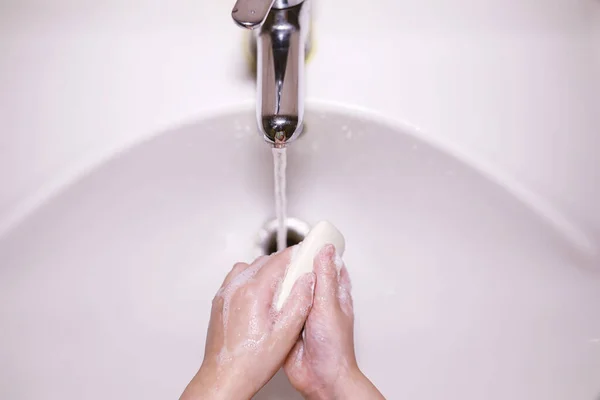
<point x="247" y="339"/>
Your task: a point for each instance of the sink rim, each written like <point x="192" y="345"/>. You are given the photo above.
<point x="540" y="206"/>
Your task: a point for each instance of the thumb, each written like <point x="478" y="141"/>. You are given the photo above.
<point x="294" y="366"/>
<point x="294" y="358"/>
<point x="327" y="277"/>
<point x="296" y="308"/>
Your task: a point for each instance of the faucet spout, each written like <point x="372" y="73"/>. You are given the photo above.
<point x="281" y="38"/>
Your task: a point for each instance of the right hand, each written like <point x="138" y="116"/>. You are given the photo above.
<point x="245" y="331"/>
<point x="322" y="364"/>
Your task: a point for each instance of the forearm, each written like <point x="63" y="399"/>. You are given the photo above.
<point x="208" y="385"/>
<point x="356" y="386"/>
<point x="362" y="389"/>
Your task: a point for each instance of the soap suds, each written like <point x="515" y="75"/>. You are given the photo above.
<point x="345" y="292"/>
<point x="281" y="320"/>
<point x="226" y="354"/>
<point x="253" y="344"/>
<point x="344" y="285"/>
<point x="253" y="328"/>
<point x="227" y="292"/>
<point x="223" y="357"/>
<point x="338" y="261"/>
<point x="231" y="348"/>
<point x="255" y="333"/>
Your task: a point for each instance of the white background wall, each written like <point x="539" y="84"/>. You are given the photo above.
<point x="513" y="84"/>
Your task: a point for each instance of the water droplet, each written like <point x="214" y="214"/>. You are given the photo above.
<point x="280" y="137"/>
<point x="252" y="11"/>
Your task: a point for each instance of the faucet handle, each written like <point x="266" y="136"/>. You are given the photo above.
<point x="251" y="13"/>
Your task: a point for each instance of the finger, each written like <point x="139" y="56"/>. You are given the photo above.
<point x="295" y="310"/>
<point x="344" y="293"/>
<point x="293" y="363"/>
<point x="240" y="267"/>
<point x="274" y="269"/>
<point x="237" y="269"/>
<point x="260" y="260"/>
<point x="327" y="277"/>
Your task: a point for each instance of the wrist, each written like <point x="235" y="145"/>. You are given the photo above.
<point x="352" y="385"/>
<point x="211" y="383"/>
<point x="345" y="387"/>
<point x="358" y="386"/>
<point x="348" y="387"/>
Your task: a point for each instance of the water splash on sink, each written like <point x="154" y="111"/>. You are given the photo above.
<point x="279" y="167"/>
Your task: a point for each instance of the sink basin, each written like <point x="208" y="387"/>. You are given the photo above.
<point x="461" y="289"/>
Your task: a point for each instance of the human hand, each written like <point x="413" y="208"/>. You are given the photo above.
<point x="322" y="364"/>
<point x="247" y="339"/>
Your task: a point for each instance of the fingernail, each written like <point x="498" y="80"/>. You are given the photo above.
<point x="310" y="280"/>
<point x="328" y="251"/>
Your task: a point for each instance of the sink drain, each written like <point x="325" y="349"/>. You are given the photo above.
<point x="267" y="237"/>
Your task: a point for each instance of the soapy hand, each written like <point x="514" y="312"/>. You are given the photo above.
<point x="247" y="339"/>
<point x="322" y="364"/>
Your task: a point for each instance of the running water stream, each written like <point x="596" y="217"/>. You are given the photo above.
<point x="280" y="164"/>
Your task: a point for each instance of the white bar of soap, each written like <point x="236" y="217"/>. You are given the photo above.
<point x="322" y="234"/>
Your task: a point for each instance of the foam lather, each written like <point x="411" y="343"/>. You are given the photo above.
<point x="320" y="235"/>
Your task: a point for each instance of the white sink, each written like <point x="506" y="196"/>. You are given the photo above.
<point x="461" y="290"/>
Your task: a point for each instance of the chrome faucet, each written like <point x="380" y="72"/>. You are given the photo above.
<point x="281" y="32"/>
